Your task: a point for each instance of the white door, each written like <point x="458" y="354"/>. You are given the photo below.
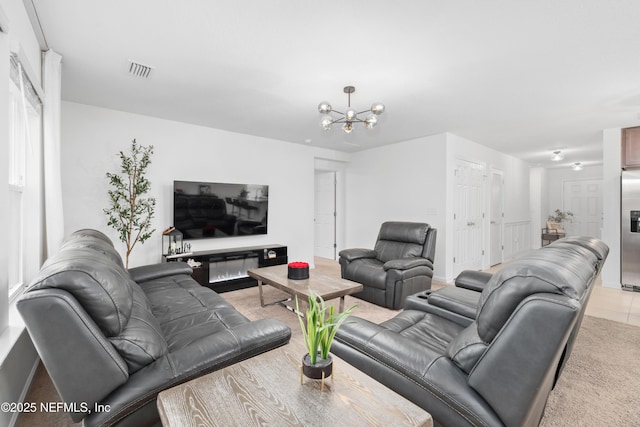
<point x="497" y="217"/>
<point x="325" y="215"/>
<point x="468" y="216"/>
<point x="583" y="198"/>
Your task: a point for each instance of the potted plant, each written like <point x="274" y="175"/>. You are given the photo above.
<point x="561" y="216"/>
<point x="130" y="213"/>
<point x="322" y="323"/>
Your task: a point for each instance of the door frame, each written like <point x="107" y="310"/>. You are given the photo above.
<point x="483" y="217"/>
<point x="326" y="165"/>
<point x="333" y="208"/>
<point x="495" y="171"/>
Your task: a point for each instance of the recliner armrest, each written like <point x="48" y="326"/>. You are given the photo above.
<point x="473" y="280"/>
<point x="406" y="263"/>
<point x="155" y="271"/>
<point x="357" y="253"/>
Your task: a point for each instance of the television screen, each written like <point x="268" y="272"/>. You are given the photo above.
<point x="214" y="209"/>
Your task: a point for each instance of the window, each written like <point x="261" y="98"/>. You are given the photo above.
<point x="25" y="136"/>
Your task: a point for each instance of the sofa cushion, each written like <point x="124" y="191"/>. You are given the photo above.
<point x="426" y="329"/>
<point x="404" y="232"/>
<point x="466" y="348"/>
<point x="549" y="270"/>
<point x="93" y="239"/>
<point x="103" y="288"/>
<point x="369" y="271"/>
<point x="400" y="240"/>
<point x="598" y="247"/>
<point x="141" y="342"/>
<point x="177" y="296"/>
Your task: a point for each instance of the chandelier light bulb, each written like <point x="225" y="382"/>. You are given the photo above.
<point x="371" y="121"/>
<point x="324" y="107"/>
<point x="326" y="122"/>
<point x="350" y="114"/>
<point x="347" y="127"/>
<point x="377" y="108"/>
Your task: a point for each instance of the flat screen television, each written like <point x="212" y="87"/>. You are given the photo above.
<point x="203" y="210"/>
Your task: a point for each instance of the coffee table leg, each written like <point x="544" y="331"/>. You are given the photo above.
<point x="261" y="295"/>
<point x="341" y="304"/>
<point x="281" y="302"/>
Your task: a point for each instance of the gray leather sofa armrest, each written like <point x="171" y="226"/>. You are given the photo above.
<point x="406" y="263"/>
<point x="85" y="368"/>
<point x="357" y="253"/>
<point x="155" y="271"/>
<point x="421" y="302"/>
<point x="473" y="280"/>
<point x="457" y="300"/>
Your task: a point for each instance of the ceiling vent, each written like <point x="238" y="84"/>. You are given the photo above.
<point x="139" y="70"/>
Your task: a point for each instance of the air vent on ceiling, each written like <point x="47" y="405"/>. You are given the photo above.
<point x="139" y="70"/>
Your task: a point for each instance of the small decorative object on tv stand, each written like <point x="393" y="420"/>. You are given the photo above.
<point x="172" y="243"/>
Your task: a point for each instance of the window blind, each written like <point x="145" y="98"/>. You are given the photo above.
<point x="30" y="93"/>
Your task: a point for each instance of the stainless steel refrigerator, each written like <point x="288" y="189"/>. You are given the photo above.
<point x="630" y="229"/>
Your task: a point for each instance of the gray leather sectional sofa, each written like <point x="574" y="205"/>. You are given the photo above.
<point x="488" y="354"/>
<point x="113" y="339"/>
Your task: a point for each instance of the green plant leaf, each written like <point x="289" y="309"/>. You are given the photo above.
<point x="322" y="324"/>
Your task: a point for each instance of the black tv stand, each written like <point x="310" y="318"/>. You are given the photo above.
<point x="226" y="269"/>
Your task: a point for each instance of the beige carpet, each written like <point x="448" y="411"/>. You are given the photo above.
<point x="600" y="385"/>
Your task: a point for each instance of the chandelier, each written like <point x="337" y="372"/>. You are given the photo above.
<point x="350" y="116"/>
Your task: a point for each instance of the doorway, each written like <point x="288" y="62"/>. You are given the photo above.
<point x="583" y="198"/>
<point x="496" y="250"/>
<point x="468" y="216"/>
<point x="325" y="214"/>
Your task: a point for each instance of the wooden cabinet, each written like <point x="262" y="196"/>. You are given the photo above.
<point x="631" y="147"/>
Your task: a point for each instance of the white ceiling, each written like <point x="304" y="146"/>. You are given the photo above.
<point x="524" y="77"/>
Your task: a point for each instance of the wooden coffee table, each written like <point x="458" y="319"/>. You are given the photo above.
<point x="328" y="287"/>
<point x="266" y="391"/>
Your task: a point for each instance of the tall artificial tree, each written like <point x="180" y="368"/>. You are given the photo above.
<point x="129" y="211"/>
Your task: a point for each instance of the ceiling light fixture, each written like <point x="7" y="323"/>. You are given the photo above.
<point x="557" y="156"/>
<point x="350" y="116"/>
<point x="577" y="166"/>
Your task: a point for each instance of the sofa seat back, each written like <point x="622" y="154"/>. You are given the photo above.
<point x="398" y="240"/>
<point x="596" y="246"/>
<point x="88" y="267"/>
<point x="100" y="286"/>
<point x="542" y="271"/>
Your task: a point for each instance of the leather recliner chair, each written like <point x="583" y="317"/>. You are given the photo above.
<point x="400" y="264"/>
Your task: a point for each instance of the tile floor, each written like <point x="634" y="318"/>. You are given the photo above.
<point x="614" y="304"/>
